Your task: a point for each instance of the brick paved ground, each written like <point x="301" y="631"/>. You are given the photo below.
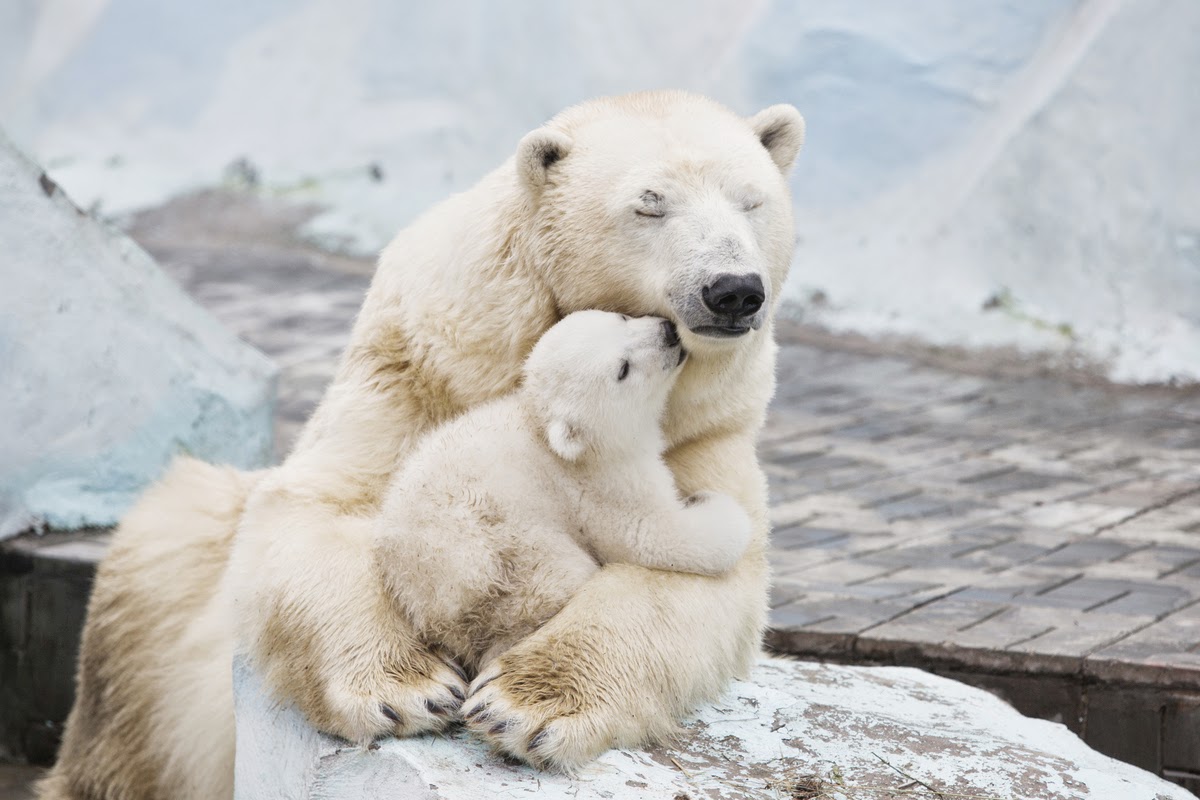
<point x="1045" y="523"/>
<point x="1031" y="535"/>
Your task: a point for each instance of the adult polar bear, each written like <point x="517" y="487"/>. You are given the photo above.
<point x="660" y="203"/>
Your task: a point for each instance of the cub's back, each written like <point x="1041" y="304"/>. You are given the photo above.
<point x="475" y="538"/>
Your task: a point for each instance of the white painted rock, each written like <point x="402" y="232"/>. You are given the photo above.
<point x="108" y="368"/>
<point x="795" y="730"/>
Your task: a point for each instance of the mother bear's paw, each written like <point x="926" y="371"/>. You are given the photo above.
<point x="422" y="696"/>
<point x="538" y="715"/>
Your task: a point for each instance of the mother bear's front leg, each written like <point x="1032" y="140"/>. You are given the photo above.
<point x="635" y="649"/>
<point x="313" y="616"/>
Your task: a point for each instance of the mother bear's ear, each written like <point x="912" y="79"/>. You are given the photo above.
<point x="537" y="152"/>
<point x="781" y="130"/>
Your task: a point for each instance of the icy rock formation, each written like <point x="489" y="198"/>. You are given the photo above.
<point x="108" y="368"/>
<point x="977" y="172"/>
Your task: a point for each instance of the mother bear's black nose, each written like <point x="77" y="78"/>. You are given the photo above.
<point x="736" y="295"/>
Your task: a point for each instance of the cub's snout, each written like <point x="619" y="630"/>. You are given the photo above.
<point x="673" y="344"/>
<point x="670" y="333"/>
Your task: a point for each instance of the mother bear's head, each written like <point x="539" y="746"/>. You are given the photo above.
<point x="664" y="203"/>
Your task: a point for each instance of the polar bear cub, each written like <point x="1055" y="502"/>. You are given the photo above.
<point x="500" y="515"/>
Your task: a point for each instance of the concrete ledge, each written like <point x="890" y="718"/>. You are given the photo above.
<point x="796" y="729"/>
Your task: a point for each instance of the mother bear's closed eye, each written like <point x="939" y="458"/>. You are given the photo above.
<point x="639" y="227"/>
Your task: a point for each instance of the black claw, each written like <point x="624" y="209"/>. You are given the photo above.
<point x="485" y="683"/>
<point x="458" y="693"/>
<point x="499" y="728"/>
<point x="390" y="713"/>
<point x="437" y="709"/>
<point x="538" y="739"/>
<point x="459" y="671"/>
<point x="476" y="711"/>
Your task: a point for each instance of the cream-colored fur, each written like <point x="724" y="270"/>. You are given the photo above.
<point x="158" y="629"/>
<point x="627" y="204"/>
<point x="499" y="516"/>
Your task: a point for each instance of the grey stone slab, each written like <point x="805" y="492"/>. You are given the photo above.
<point x="822" y="462"/>
<point x="1080" y="593"/>
<point x="1072" y="634"/>
<point x="1056" y="634"/>
<point x="926" y="506"/>
<point x="939" y="552"/>
<point x="1026" y="582"/>
<point x="1087" y="551"/>
<point x="1020" y="481"/>
<point x="792" y="616"/>
<point x="1169" y="432"/>
<point x="883" y="492"/>
<point x="827" y="612"/>
<point x="1158" y="560"/>
<point x="884" y="428"/>
<point x="938" y="622"/>
<point x="1166" y="652"/>
<point x="1146" y="493"/>
<point x="843" y="572"/>
<point x="785" y="591"/>
<point x="796" y="537"/>
<point x="1148" y="600"/>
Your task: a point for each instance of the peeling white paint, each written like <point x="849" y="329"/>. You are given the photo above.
<point x="790" y="719"/>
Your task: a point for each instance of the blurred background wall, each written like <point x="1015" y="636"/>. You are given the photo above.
<point x="978" y="172"/>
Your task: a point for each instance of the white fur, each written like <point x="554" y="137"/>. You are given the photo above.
<point x="500" y="515"/>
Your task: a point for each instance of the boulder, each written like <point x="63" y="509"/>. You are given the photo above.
<point x="109" y="368"/>
<point x="793" y="731"/>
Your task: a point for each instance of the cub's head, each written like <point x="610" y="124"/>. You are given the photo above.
<point x="597" y="382"/>
<point x="665" y="203"/>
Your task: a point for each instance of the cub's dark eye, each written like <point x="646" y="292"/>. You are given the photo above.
<point x="653" y="205"/>
<point x="624" y="373"/>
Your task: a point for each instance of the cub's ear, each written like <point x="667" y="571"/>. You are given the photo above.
<point x="565" y="439"/>
<point x="781" y="130"/>
<point x="537" y="152"/>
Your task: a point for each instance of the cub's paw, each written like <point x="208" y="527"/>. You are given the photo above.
<point x="533" y="721"/>
<point x="421" y="696"/>
<point x="723" y="511"/>
<point x="723" y="524"/>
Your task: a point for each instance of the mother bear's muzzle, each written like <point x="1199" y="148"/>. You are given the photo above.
<point x="735" y="296"/>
